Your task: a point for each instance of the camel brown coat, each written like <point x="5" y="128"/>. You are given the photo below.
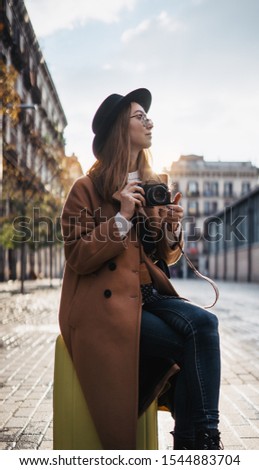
<point x="100" y="312"/>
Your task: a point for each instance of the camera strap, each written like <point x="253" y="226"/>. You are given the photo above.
<point x="202" y="276"/>
<point x="140" y="229"/>
<point x="145" y="236"/>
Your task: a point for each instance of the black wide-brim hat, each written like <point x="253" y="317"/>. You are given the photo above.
<point x="108" y="111"/>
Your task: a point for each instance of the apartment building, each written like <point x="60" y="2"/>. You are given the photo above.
<point x="32" y="147"/>
<point x="207" y="188"/>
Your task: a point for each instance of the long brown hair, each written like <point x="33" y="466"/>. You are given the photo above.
<point x="110" y="171"/>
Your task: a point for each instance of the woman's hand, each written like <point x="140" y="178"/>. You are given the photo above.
<point x="130" y="197"/>
<point x="172" y="214"/>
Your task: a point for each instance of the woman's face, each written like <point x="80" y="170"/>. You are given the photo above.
<point x="140" y="128"/>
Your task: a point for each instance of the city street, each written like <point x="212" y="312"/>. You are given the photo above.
<point x="28" y="330"/>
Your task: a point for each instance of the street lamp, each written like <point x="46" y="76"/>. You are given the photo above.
<point x="25" y="106"/>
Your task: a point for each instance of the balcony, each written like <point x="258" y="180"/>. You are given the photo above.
<point x="209" y="212"/>
<point x="36" y="95"/>
<point x="5" y="29"/>
<point x="27" y="79"/>
<point x="193" y="213"/>
<point x="10" y="154"/>
<point x="228" y="194"/>
<point x="210" y="193"/>
<point x="18" y="58"/>
<point x="192" y="193"/>
<point x="27" y="122"/>
<point x="35" y="138"/>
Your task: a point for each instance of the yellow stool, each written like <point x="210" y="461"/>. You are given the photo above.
<point x="73" y="427"/>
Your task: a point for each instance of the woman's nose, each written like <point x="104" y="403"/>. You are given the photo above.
<point x="150" y="124"/>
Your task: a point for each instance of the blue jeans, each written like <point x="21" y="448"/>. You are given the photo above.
<point x="176" y="329"/>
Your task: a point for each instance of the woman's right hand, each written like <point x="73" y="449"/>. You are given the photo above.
<point x="130" y="197"/>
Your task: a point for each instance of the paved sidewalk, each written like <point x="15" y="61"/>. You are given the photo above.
<point x="28" y="330"/>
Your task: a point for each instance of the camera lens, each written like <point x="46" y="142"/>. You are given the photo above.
<point x="159" y="194"/>
<point x="156" y="194"/>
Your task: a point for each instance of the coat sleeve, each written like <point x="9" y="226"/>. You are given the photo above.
<point x="171" y="253"/>
<point x="88" y="244"/>
<point x="174" y="252"/>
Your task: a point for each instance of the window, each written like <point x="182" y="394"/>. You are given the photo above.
<point x="228" y="189"/>
<point x="210" y="188"/>
<point x="210" y="207"/>
<point x="214" y="188"/>
<point x="193" y="208"/>
<point x="192" y="188"/>
<point x="246" y="187"/>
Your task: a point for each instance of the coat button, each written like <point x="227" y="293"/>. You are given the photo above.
<point x="107" y="293"/>
<point x="112" y="266"/>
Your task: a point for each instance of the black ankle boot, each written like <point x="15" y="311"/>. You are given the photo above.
<point x="181" y="443"/>
<point x="208" y="439"/>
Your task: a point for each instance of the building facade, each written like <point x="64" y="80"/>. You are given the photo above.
<point x="32" y="151"/>
<point x="207" y="187"/>
<point x="232" y="237"/>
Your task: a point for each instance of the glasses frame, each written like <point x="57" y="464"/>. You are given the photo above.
<point x="142" y="117"/>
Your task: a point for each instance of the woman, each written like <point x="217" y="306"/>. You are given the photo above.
<point x="124" y="324"/>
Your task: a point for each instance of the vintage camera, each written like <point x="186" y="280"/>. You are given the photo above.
<point x="156" y="194"/>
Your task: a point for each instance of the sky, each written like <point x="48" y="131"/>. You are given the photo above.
<point x="199" y="59"/>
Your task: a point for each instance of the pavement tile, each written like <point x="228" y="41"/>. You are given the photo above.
<point x="9" y="434"/>
<point x="246" y="431"/>
<point x="3" y="445"/>
<point x="22" y="412"/>
<point x="45" y="445"/>
<point x="251" y="443"/>
<point x="41" y="416"/>
<point x="17" y="422"/>
<point x="232" y="441"/>
<point x="4" y="416"/>
<point x="49" y="434"/>
<point x="30" y="403"/>
<point x="28" y="442"/>
<point x="236" y="419"/>
<point x="35" y="428"/>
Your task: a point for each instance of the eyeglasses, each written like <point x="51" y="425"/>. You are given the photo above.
<point x="145" y="121"/>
